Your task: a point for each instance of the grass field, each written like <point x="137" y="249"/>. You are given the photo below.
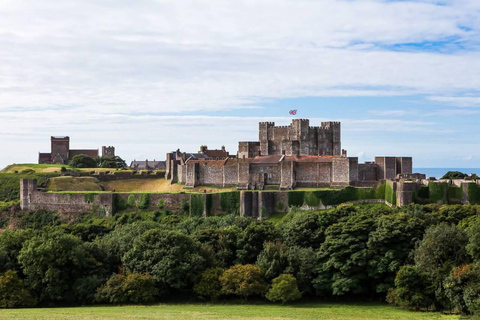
<point x="230" y="311"/>
<point x="47" y="168"/>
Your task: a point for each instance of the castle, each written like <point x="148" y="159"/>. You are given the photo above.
<point x="60" y="152"/>
<point x="286" y="157"/>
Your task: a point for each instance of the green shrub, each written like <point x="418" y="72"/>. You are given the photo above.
<point x="280" y="206"/>
<point x="10" y="183"/>
<point x="284" y="288"/>
<point x="423" y="193"/>
<point x="413" y="288"/>
<point x="230" y="202"/>
<point x="196" y="205"/>
<point x="208" y="285"/>
<point x="133" y="288"/>
<point x="36" y="219"/>
<point x="312" y="199"/>
<point x="144" y="201"/>
<point x="83" y="161"/>
<point x="120" y="203"/>
<point x="243" y="281"/>
<point x="296" y="198"/>
<point x="13" y="293"/>
<point x="185" y="206"/>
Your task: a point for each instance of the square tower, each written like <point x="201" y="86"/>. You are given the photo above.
<point x="60" y="147"/>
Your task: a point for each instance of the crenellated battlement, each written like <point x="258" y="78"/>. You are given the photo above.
<point x="268" y="124"/>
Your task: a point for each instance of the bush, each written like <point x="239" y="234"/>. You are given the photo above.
<point x="144" y="201"/>
<point x="243" y="281"/>
<point x="13" y="293"/>
<point x="133" y="288"/>
<point x="208" y="285"/>
<point x="284" y="288"/>
<point x="131" y="201"/>
<point x="296" y="198"/>
<point x="230" y="202"/>
<point x="83" y="161"/>
<point x="413" y="288"/>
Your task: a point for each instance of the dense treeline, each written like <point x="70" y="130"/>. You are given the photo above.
<point x="424" y="257"/>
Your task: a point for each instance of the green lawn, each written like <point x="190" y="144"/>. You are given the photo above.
<point x="322" y="311"/>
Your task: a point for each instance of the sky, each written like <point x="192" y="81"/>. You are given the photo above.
<point x="150" y="76"/>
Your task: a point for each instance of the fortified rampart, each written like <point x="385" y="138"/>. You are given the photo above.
<point x="257" y="204"/>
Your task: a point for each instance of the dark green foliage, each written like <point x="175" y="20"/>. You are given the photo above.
<point x="344" y="256"/>
<point x="390" y="195"/>
<point x="83" y="161"/>
<point x="11" y="243"/>
<point x="390" y="247"/>
<point x="172" y="258"/>
<point x="120" y="203"/>
<point x="455" y="195"/>
<point x="144" y="201"/>
<point x="251" y="239"/>
<point x="209" y="203"/>
<point x="52" y="262"/>
<point x="111" y="162"/>
<point x="208" y="285"/>
<point x="473" y="192"/>
<point x="272" y="260"/>
<point x="185" y="206"/>
<point x="307" y="229"/>
<point x="413" y="288"/>
<point x="437" y="192"/>
<point x="13" y="293"/>
<point x="284" y="288"/>
<point x="84" y="289"/>
<point x="423" y="193"/>
<point x="89" y="197"/>
<point x="461" y="286"/>
<point x="312" y="199"/>
<point x="280" y="206"/>
<point x="454" y="175"/>
<point x="10" y="183"/>
<point x="131" y="201"/>
<point x="196" y="205"/>
<point x="230" y="202"/>
<point x="296" y="198"/>
<point x="36" y="219"/>
<point x="244" y="281"/>
<point x="160" y="203"/>
<point x="133" y="288"/>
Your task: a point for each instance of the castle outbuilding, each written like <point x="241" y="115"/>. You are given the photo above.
<point x="285" y="157"/>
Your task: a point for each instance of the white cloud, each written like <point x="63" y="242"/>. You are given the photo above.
<point x="458" y="101"/>
<point x="122" y="69"/>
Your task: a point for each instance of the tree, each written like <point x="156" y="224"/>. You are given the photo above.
<point x="13" y="293"/>
<point x="390" y="246"/>
<point x="243" y="280"/>
<point x="172" y="258"/>
<point x="272" y="260"/>
<point x="458" y="287"/>
<point x="307" y="229"/>
<point x="442" y="248"/>
<point x="208" y="285"/>
<point x="11" y="243"/>
<point x="133" y="288"/>
<point x="251" y="239"/>
<point x="454" y="175"/>
<point x="284" y="288"/>
<point x="413" y="288"/>
<point x="52" y="262"/>
<point x="83" y="161"/>
<point x="111" y="162"/>
<point x="344" y="256"/>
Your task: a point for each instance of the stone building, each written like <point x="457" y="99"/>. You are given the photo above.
<point x="147" y="165"/>
<point x="286" y="157"/>
<point x="60" y="152"/>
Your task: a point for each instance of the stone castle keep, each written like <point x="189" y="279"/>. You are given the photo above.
<point x="286" y="157"/>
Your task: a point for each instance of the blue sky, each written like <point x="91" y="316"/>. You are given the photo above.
<point x="152" y="76"/>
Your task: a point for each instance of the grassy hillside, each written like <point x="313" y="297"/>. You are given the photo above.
<point x="322" y="311"/>
<point x="47" y="168"/>
<point x="74" y="184"/>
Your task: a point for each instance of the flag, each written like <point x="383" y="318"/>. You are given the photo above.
<point x="293" y="112"/>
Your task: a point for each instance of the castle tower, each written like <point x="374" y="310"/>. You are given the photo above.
<point x="263" y="128"/>
<point x="60" y="147"/>
<point x="329" y="139"/>
<point x="108" y="152"/>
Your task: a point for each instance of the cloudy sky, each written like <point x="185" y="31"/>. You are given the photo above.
<point x="150" y="76"/>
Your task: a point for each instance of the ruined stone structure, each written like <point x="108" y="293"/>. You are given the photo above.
<point x="147" y="165"/>
<point x="286" y="157"/>
<point x="62" y="154"/>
